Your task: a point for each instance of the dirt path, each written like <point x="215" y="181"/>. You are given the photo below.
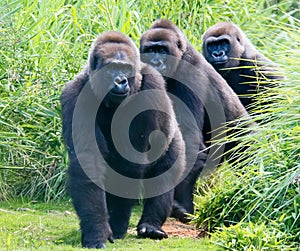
<point x="177" y="229"/>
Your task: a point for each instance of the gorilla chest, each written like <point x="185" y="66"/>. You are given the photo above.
<point x="128" y="135"/>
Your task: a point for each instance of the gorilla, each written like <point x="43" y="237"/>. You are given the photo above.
<point x="226" y="47"/>
<point x="123" y="142"/>
<point x="206" y="95"/>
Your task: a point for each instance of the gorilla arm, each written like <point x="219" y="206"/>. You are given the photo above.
<point x="79" y="184"/>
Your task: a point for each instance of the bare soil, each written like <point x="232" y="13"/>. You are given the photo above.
<point x="175" y="228"/>
<point x="178" y="229"/>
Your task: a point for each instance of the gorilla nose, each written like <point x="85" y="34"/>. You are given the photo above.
<point x="120" y="85"/>
<point x="120" y="80"/>
<point x="158" y="65"/>
<point x="156" y="62"/>
<point x="218" y="54"/>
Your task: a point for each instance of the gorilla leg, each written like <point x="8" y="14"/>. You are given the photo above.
<point x="89" y="202"/>
<point x="156" y="210"/>
<point x="183" y="196"/>
<point x="196" y="156"/>
<point x="119" y="210"/>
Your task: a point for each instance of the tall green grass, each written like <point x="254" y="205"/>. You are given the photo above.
<point x="261" y="191"/>
<point x="45" y="43"/>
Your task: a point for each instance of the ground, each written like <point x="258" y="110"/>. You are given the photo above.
<point x="178" y="229"/>
<point x="32" y="225"/>
<point x="175" y="228"/>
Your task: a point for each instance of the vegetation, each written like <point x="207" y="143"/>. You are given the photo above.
<point x="261" y="190"/>
<point x="45" y="43"/>
<point x="28" y="225"/>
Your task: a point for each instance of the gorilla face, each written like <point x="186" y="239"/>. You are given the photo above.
<point x="156" y="55"/>
<point x="118" y="76"/>
<point x="115" y="79"/>
<point x="162" y="48"/>
<point x="218" y="50"/>
<point x="112" y="73"/>
<point x="223" y="45"/>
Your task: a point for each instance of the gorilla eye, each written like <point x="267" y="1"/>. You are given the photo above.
<point x="156" y="49"/>
<point x="150" y="50"/>
<point x="179" y="45"/>
<point x="162" y="50"/>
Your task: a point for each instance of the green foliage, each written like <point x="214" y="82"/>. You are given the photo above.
<point x="261" y="189"/>
<point x="213" y="194"/>
<point x="252" y="237"/>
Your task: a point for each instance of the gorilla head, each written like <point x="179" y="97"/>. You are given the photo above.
<point x="162" y="40"/>
<point x="247" y="71"/>
<point x="223" y="45"/>
<point x="115" y="69"/>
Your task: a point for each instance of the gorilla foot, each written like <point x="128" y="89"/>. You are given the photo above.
<point x="98" y="246"/>
<point x="179" y="213"/>
<point x="119" y="235"/>
<point x="94" y="243"/>
<point x="146" y="230"/>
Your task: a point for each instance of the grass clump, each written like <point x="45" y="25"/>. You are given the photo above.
<point x="261" y="191"/>
<point x="252" y="236"/>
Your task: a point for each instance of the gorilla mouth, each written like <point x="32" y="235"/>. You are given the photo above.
<point x="121" y="94"/>
<point x="117" y="97"/>
<point x="220" y="62"/>
<point x="161" y="68"/>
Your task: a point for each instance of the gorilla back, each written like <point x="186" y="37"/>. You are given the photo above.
<point x="211" y="102"/>
<point x="123" y="141"/>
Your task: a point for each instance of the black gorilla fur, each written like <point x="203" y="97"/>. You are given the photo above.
<point x="103" y="215"/>
<point x="164" y="40"/>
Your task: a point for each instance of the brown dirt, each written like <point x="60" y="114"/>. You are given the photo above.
<point x="177" y="229"/>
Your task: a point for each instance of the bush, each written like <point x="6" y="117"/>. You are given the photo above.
<point x="262" y="188"/>
<point x="252" y="237"/>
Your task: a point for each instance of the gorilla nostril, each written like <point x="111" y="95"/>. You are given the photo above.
<point x="126" y="88"/>
<point x="117" y="80"/>
<point x="156" y="62"/>
<point x="218" y="54"/>
<point x="120" y="85"/>
<point x="120" y="80"/>
<point x="123" y="82"/>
